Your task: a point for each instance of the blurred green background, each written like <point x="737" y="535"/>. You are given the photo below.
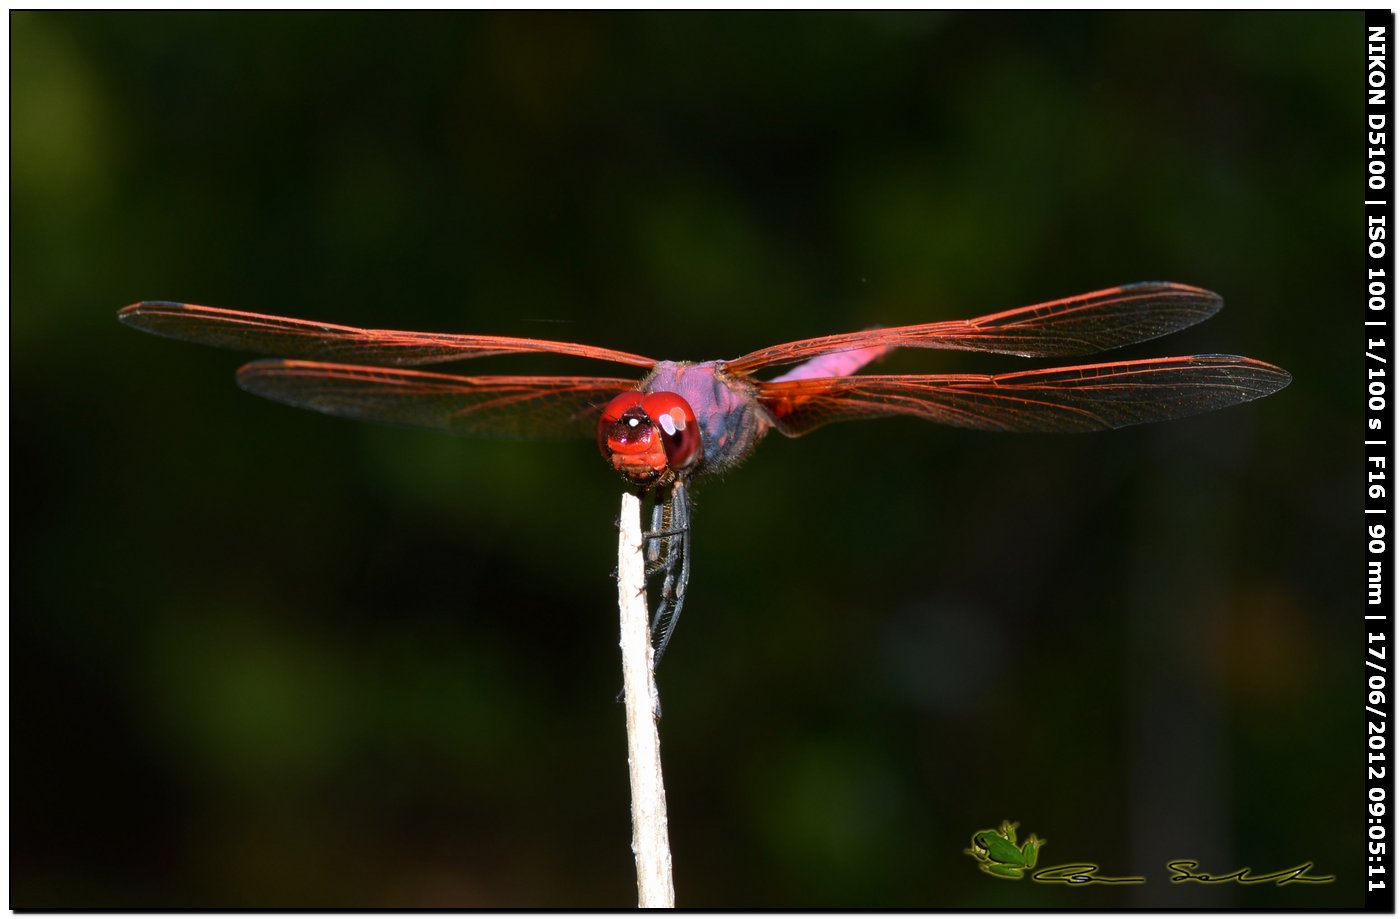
<point x="262" y="657"/>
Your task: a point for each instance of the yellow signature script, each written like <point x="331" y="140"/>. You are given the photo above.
<point x="1183" y="872"/>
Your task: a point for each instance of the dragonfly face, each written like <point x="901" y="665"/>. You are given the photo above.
<point x="650" y="437"/>
<point x="685" y="420"/>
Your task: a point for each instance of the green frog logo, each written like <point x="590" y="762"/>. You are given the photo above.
<point x="998" y="854"/>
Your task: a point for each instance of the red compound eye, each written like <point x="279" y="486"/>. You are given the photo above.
<point x="616" y="435"/>
<point x="679" y="431"/>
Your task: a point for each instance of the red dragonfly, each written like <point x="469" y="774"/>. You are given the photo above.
<point x="684" y="420"/>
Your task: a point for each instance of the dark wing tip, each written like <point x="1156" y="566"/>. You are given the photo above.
<point x="136" y="313"/>
<point x="1177" y="285"/>
<point x="270" y="377"/>
<point x="250" y="373"/>
<point x="1269" y="378"/>
<point x="1171" y="285"/>
<point x="1211" y="301"/>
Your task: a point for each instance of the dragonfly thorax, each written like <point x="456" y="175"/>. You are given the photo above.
<point x="651" y="438"/>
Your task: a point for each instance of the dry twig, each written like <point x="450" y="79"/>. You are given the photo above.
<point x="650" y="841"/>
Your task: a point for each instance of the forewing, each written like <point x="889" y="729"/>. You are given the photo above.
<point x="487" y="406"/>
<point x="1080" y="325"/>
<point x="278" y="336"/>
<point x="1091" y="397"/>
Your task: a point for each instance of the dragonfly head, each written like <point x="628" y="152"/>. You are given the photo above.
<point x="649" y="437"/>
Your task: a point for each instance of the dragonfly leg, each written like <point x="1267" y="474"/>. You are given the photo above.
<point x="660" y="543"/>
<point x="649" y="538"/>
<point x="668" y="610"/>
<point x="654" y="546"/>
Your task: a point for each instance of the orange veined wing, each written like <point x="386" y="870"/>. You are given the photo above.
<point x="1085" y="324"/>
<point x="278" y="336"/>
<point x="486" y="406"/>
<point x="1091" y="397"/>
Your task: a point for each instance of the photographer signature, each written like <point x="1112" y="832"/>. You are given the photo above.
<point x="1298" y="874"/>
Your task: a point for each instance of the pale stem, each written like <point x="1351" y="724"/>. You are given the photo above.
<point x="650" y="842"/>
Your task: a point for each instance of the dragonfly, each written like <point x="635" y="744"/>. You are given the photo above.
<point x="680" y="421"/>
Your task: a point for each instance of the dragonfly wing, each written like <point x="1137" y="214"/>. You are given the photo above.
<point x="1085" y="324"/>
<point x="486" y="406"/>
<point x="1091" y="397"/>
<point x="278" y="336"/>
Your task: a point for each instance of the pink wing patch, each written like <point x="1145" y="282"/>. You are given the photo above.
<point x="836" y="364"/>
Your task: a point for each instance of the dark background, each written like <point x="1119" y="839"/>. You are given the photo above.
<point x="262" y="657"/>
